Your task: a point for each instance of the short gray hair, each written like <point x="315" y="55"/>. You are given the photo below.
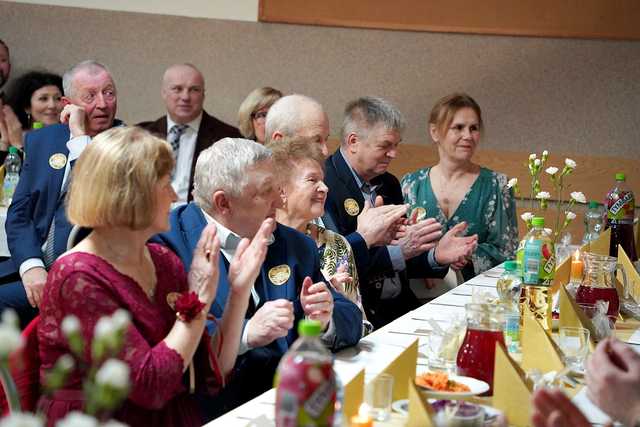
<point x="91" y="66"/>
<point x="223" y="166"/>
<point x="363" y="114"/>
<point x="287" y="115"/>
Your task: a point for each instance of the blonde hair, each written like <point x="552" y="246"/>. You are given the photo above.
<point x="446" y="108"/>
<point x="291" y="151"/>
<point x="112" y="184"/>
<point x="256" y="100"/>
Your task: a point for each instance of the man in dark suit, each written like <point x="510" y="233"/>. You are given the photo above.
<point x="356" y="172"/>
<point x="37" y="227"/>
<point x="236" y="188"/>
<point x="187" y="127"/>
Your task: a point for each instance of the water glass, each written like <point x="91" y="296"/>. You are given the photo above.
<point x="443" y="350"/>
<point x="574" y="343"/>
<point x="378" y="395"/>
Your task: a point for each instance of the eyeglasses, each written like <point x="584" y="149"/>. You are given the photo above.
<point x="259" y="115"/>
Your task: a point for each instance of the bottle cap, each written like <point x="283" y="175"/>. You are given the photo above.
<point x="13" y="150"/>
<point x="511" y="265"/>
<point x="309" y="328"/>
<point x="537" y="221"/>
<point x="37" y="125"/>
<point x="593" y="204"/>
<point x="620" y="176"/>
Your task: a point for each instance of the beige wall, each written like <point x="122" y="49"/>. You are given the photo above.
<point x="566" y="95"/>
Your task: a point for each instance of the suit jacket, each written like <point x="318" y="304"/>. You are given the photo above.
<point x="343" y="190"/>
<point x="37" y="199"/>
<point x="290" y="248"/>
<point x="210" y="131"/>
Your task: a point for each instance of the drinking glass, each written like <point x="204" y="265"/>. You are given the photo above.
<point x="443" y="350"/>
<point x="574" y="343"/>
<point x="378" y="395"/>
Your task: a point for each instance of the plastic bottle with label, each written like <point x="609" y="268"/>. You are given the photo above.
<point x="620" y="204"/>
<point x="305" y="381"/>
<point x="12" y="165"/>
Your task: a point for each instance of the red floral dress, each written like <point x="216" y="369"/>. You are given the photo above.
<point x="89" y="287"/>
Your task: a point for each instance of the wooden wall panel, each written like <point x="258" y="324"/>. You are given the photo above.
<point x="616" y="19"/>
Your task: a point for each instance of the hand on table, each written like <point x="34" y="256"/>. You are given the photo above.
<point x="317" y="301"/>
<point x="613" y="380"/>
<point x="33" y="281"/>
<point x="271" y="321"/>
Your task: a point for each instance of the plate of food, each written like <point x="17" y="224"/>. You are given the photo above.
<point x="445" y="386"/>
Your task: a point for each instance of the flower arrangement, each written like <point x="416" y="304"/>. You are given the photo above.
<point x="564" y="214"/>
<point x="107" y="382"/>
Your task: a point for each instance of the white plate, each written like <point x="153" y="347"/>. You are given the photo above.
<point x="475" y="387"/>
<point x="402" y="408"/>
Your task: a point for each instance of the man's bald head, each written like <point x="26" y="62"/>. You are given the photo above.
<point x="298" y="116"/>
<point x="183" y="92"/>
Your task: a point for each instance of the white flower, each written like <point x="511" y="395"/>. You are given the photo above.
<point x="121" y="319"/>
<point x="537" y="162"/>
<point x="512" y="182"/>
<point x="115" y="373"/>
<point x="570" y="163"/>
<point x="527" y="216"/>
<point x="543" y="195"/>
<point x="66" y="362"/>
<point x="548" y="231"/>
<point x="532" y="156"/>
<point x="551" y="170"/>
<point x="70" y="325"/>
<point x="77" y="419"/>
<point x="104" y="328"/>
<point x="570" y="215"/>
<point x="578" y="197"/>
<point x="21" y="419"/>
<point x="10" y="339"/>
<point x="545" y="153"/>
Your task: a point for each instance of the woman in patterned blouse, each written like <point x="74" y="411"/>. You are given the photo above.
<point x="456" y="189"/>
<point x="303" y="196"/>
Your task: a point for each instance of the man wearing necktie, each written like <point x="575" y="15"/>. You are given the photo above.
<point x="236" y="188"/>
<point x="186" y="126"/>
<point x="357" y="172"/>
<point x="37" y="227"/>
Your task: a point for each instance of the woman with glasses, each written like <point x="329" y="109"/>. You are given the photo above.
<point x="253" y="112"/>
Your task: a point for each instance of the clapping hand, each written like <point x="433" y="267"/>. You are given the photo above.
<point x="341" y="278"/>
<point x="273" y="320"/>
<point x="454" y="248"/>
<point x="380" y="224"/>
<point x="419" y="237"/>
<point x="247" y="261"/>
<point x="203" y="274"/>
<point x="316" y="301"/>
<point x="10" y="128"/>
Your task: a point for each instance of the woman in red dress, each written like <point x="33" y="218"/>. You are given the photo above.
<point x="121" y="188"/>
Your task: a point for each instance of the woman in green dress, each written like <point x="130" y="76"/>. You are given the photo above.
<point x="458" y="190"/>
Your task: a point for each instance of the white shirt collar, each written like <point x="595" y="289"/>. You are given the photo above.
<point x="76" y="146"/>
<point x="194" y="125"/>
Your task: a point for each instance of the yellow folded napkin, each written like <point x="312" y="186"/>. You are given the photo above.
<point x="402" y="369"/>
<point x="600" y="245"/>
<point x="633" y="278"/>
<point x="511" y="389"/>
<point x="353" y="395"/>
<point x="562" y="275"/>
<point x="539" y="350"/>
<point x="420" y="412"/>
<point x="572" y="315"/>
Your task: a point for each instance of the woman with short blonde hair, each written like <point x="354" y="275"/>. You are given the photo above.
<point x="253" y="112"/>
<point x="121" y="188"/>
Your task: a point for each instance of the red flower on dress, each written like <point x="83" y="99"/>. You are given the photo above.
<point x="188" y="306"/>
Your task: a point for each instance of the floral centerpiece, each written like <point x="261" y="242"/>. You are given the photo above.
<point x="105" y="387"/>
<point x="538" y="297"/>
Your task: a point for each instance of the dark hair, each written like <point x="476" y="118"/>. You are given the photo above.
<point x="4" y="44"/>
<point x="20" y="92"/>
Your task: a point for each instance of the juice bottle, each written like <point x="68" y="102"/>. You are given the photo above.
<point x="305" y="381"/>
<point x="538" y="263"/>
<point x="620" y="204"/>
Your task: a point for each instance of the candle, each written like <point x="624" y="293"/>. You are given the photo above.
<point x="363" y="419"/>
<point x="576" y="267"/>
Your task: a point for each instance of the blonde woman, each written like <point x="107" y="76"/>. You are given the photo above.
<point x="253" y="112"/>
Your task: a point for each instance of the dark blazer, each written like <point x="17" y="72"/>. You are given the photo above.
<point x="37" y="199"/>
<point x="290" y="248"/>
<point x="210" y="131"/>
<point x="342" y="186"/>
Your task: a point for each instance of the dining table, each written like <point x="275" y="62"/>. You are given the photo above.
<point x="377" y="350"/>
